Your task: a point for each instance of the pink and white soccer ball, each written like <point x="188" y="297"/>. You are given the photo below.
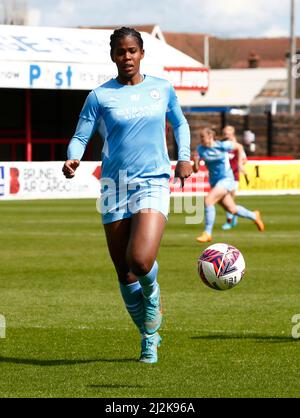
<point x="221" y="266"/>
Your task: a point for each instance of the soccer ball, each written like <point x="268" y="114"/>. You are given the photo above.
<point x="221" y="266"/>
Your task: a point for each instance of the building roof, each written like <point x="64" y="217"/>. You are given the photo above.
<point x="233" y="53"/>
<point x="224" y="53"/>
<point x="192" y="43"/>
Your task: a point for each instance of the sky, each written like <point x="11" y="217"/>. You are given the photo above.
<point x="222" y="18"/>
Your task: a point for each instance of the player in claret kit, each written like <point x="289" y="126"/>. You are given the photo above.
<point x="130" y="113"/>
<point x="215" y="155"/>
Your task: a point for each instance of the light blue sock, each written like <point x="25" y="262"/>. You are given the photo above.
<point x="133" y="298"/>
<point x="149" y="282"/>
<point x="245" y="213"/>
<point x="210" y="216"/>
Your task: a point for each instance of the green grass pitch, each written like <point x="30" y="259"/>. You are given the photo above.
<point x="68" y="334"/>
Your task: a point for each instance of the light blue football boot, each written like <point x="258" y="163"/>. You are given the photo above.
<point x="234" y="221"/>
<point x="149" y="344"/>
<point x="152" y="312"/>
<point x="230" y="225"/>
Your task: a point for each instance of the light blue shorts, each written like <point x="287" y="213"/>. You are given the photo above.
<point x="122" y="202"/>
<point x="236" y="185"/>
<point x="226" y="183"/>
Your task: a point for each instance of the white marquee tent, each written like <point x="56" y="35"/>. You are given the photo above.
<point x="79" y="59"/>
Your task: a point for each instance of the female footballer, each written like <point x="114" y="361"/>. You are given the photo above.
<point x="221" y="179"/>
<point x="130" y="113"/>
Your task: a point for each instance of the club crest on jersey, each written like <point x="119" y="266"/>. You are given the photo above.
<point x="155" y="94"/>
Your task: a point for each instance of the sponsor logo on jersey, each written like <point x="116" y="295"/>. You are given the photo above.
<point x="135" y="97"/>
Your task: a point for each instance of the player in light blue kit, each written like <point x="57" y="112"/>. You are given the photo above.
<point x="221" y="179"/>
<point x="130" y="113"/>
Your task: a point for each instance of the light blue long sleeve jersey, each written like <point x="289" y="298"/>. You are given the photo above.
<point x="216" y="159"/>
<point x="132" y="122"/>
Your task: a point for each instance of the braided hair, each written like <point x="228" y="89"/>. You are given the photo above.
<point x="121" y="33"/>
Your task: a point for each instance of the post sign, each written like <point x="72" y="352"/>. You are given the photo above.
<point x="79" y="59"/>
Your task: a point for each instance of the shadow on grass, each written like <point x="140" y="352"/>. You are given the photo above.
<point x="62" y="362"/>
<point x="114" y="386"/>
<point x="256" y="337"/>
